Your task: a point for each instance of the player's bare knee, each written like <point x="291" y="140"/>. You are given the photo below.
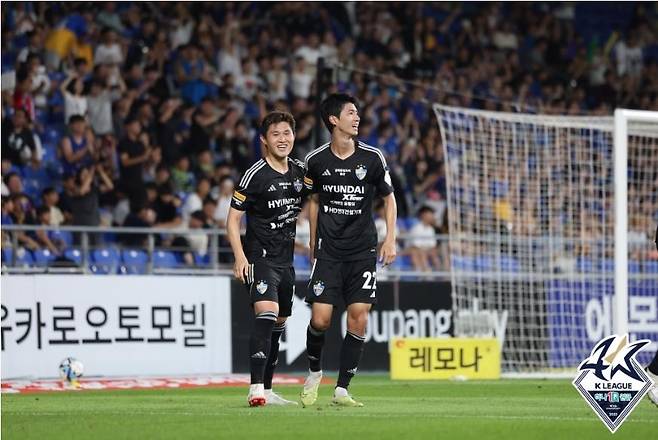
<point x="357" y="322"/>
<point x="320" y="323"/>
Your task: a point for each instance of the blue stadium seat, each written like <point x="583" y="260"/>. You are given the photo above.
<point x="49" y="153"/>
<point x="650" y="266"/>
<point x="483" y="264"/>
<point x="458" y="262"/>
<point x="410" y="222"/>
<point x="509" y="264"/>
<point x="74" y="255"/>
<point x="64" y="236"/>
<point x="165" y="259"/>
<point x="301" y="262"/>
<point x="134" y="261"/>
<point x="52" y="135"/>
<point x="43" y="257"/>
<point x="23" y="258"/>
<point x="584" y="265"/>
<point x="104" y="261"/>
<point x="403" y="262"/>
<point x="608" y="265"/>
<point x="634" y="267"/>
<point x="202" y="260"/>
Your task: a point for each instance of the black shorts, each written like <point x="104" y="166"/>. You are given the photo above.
<point x="270" y="283"/>
<point x="354" y="281"/>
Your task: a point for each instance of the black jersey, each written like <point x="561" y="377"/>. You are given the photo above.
<point x="272" y="201"/>
<point x="347" y="189"/>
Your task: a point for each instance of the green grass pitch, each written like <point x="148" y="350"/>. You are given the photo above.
<point x="505" y="409"/>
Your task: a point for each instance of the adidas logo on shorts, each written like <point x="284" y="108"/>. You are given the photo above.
<point x="259" y="355"/>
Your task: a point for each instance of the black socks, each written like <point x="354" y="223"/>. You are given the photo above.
<point x="273" y="357"/>
<point x="350" y="355"/>
<point x="259" y="344"/>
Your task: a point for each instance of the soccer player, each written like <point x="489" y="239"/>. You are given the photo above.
<point x="345" y="176"/>
<point x="652" y="369"/>
<point x="271" y="193"/>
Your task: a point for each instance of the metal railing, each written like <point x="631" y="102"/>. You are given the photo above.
<point x="219" y="261"/>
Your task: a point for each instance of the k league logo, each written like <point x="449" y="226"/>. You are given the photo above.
<point x="611" y="381"/>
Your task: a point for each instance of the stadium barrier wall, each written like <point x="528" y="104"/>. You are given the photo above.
<point x="115" y="325"/>
<point x="404" y="309"/>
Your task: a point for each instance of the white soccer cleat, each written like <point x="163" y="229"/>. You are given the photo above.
<point x="653" y="391"/>
<point x="256" y="395"/>
<point x="273" y="398"/>
<point x="342" y="398"/>
<point x="310" y="392"/>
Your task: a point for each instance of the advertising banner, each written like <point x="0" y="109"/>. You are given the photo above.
<point x="447" y="358"/>
<point x="404" y="309"/>
<point x="115" y="325"/>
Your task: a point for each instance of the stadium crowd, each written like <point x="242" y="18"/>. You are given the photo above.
<point x="144" y="114"/>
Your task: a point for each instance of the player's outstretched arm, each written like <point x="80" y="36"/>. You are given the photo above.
<point x="389" y="249"/>
<point x="313" y="205"/>
<point x="241" y="266"/>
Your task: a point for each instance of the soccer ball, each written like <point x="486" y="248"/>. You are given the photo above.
<point x="70" y="369"/>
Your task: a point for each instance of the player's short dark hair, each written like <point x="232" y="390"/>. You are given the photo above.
<point x="274" y="118"/>
<point x="333" y="105"/>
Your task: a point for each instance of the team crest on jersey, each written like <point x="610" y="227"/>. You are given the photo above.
<point x="261" y="287"/>
<point x="360" y="172"/>
<point x="297" y="184"/>
<point x="318" y="288"/>
<point x="611" y="380"/>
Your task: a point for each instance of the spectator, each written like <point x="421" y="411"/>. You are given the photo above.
<point x="166" y="208"/>
<point x="422" y="244"/>
<point x="134" y="153"/>
<point x="14" y="184"/>
<point x="99" y="106"/>
<point x="302" y="234"/>
<point x="81" y="195"/>
<point x="77" y="148"/>
<point x="19" y="143"/>
<point x="209" y="207"/>
<point x="194" y="201"/>
<point x="23" y="99"/>
<point x="181" y="177"/>
<point x="204" y="127"/>
<point x="301" y="80"/>
<point x="192" y="242"/>
<point x="7" y="208"/>
<point x="40" y="81"/>
<point x="75" y="103"/>
<point x="193" y="74"/>
<point x="226" y="188"/>
<point x="50" y="200"/>
<point x="22" y="214"/>
<point x="43" y="239"/>
<point x="141" y="216"/>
